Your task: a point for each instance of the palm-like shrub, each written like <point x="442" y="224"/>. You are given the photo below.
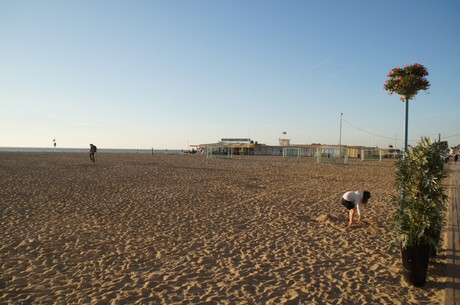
<point x="420" y="213"/>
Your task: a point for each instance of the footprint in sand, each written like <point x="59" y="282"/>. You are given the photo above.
<point x="368" y="224"/>
<point x="331" y="220"/>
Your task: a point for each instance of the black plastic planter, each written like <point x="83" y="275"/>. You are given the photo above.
<point x="415" y="264"/>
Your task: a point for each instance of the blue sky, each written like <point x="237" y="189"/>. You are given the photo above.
<point x="166" y="74"/>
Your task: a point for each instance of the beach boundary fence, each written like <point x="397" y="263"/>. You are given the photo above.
<point x="371" y="155"/>
<point x="328" y="155"/>
<point x="291" y="152"/>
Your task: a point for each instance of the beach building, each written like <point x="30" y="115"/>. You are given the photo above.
<point x="230" y="146"/>
<point x="247" y="146"/>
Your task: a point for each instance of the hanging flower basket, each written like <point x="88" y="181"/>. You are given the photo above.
<point x="407" y="81"/>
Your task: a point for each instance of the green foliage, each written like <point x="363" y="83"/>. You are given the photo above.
<point x="420" y="213"/>
<point x="407" y="81"/>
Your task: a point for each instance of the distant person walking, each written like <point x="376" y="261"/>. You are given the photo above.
<point x="355" y="201"/>
<point x="92" y="152"/>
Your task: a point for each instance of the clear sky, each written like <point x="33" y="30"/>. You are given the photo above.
<point x="166" y="74"/>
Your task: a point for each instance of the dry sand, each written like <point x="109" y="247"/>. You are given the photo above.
<point x="183" y="229"/>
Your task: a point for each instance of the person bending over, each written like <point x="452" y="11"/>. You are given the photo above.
<point x="354" y="201"/>
<point x="92" y="152"/>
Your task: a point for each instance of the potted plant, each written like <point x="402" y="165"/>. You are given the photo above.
<point x="420" y="212"/>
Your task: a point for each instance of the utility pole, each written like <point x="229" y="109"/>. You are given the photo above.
<point x="340" y="136"/>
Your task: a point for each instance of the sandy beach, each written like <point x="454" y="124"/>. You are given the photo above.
<point x="183" y="229"/>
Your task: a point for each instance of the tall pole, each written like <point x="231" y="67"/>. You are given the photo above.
<point x="406" y="125"/>
<point x="439" y="143"/>
<point x="340" y="136"/>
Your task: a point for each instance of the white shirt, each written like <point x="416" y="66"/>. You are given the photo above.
<point x="356" y="197"/>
